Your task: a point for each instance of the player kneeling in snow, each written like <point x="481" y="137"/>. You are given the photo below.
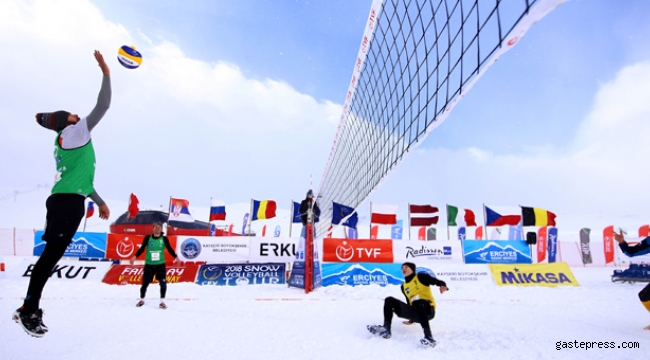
<point x="642" y="248"/>
<point x="421" y="305"/>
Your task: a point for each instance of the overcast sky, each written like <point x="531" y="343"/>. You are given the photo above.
<point x="240" y="99"/>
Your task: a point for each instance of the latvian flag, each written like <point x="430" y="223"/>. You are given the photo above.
<point x="383" y="214"/>
<point x="180" y="210"/>
<point x="217" y="210"/>
<point x="423" y="215"/>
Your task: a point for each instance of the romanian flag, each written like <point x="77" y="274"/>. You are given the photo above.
<point x="537" y="217"/>
<point x="217" y="210"/>
<point x="91" y="209"/>
<point x="264" y="209"/>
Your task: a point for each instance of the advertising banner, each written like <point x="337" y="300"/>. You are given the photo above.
<point x="584" y="246"/>
<point x="241" y="274"/>
<point x="608" y="244"/>
<point x="213" y="248"/>
<point x="541" y="244"/>
<point x="84" y="244"/>
<point x="429" y="252"/>
<point x="552" y="244"/>
<point x="347" y="250"/>
<point x="460" y="276"/>
<point x="354" y="274"/>
<point x="124" y="246"/>
<point x="66" y="270"/>
<point x="132" y="274"/>
<point x="276" y="249"/>
<point x="496" y="252"/>
<point x="548" y="275"/>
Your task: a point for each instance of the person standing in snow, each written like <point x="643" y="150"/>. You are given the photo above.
<point x="154" y="263"/>
<point x="419" y="308"/>
<point x="641" y="248"/>
<point x="306" y="204"/>
<point x="75" y="165"/>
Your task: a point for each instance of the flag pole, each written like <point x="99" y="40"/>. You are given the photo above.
<point x="370" y="233"/>
<point x="409" y="219"/>
<point x="169" y="213"/>
<point x="291" y="218"/>
<point x="86" y="218"/>
<point x="250" y="220"/>
<point x="484" y="221"/>
<point x="447" y="217"/>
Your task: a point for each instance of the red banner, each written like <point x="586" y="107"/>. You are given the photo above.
<point x="608" y="243"/>
<point x="132" y="274"/>
<point x="479" y="233"/>
<point x="541" y="244"/>
<point x="341" y="250"/>
<point x="124" y="246"/>
<point x="374" y="232"/>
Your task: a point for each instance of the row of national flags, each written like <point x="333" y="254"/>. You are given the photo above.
<point x="418" y="215"/>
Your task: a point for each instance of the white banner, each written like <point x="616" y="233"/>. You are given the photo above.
<point x="66" y="270"/>
<point x="466" y="275"/>
<point x="213" y="248"/>
<point x="269" y="250"/>
<point x="428" y="252"/>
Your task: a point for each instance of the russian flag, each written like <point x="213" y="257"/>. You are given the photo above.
<point x="217" y="210"/>
<point x="180" y="210"/>
<point x="264" y="209"/>
<point x="91" y="209"/>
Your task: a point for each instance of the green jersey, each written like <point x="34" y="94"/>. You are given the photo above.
<point x="75" y="169"/>
<point x="155" y="252"/>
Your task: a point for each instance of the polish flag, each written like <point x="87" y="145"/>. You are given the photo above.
<point x="383" y="214"/>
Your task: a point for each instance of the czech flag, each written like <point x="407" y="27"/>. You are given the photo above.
<point x="217" y="210"/>
<point x="493" y="218"/>
<point x="91" y="209"/>
<point x="264" y="209"/>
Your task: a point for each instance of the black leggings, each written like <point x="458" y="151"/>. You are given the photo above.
<point x="161" y="274"/>
<point x="419" y="312"/>
<point x="64" y="214"/>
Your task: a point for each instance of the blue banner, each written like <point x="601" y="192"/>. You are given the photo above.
<point x="297" y="277"/>
<point x="277" y="231"/>
<point x="354" y="274"/>
<point x="496" y="252"/>
<point x="462" y="235"/>
<point x="552" y="244"/>
<point x="84" y="244"/>
<point x="396" y="231"/>
<point x="241" y="274"/>
<point x="352" y="233"/>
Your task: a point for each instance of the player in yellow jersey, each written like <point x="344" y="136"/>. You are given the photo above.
<point x="419" y="308"/>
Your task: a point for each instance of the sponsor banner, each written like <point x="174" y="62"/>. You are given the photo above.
<point x="584" y="246"/>
<point x="84" y="244"/>
<point x="241" y="274"/>
<point x="428" y="252"/>
<point x="552" y="244"/>
<point x="297" y="277"/>
<point x="459" y="275"/>
<point x="276" y="249"/>
<point x="548" y="275"/>
<point x="124" y="246"/>
<point x="132" y="274"/>
<point x="65" y="270"/>
<point x="496" y="252"/>
<point x="347" y="250"/>
<point x="354" y="274"/>
<point x="213" y="248"/>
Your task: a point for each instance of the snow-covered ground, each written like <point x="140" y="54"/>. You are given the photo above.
<point x="91" y="320"/>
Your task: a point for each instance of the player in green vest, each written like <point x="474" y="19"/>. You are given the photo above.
<point x="154" y="263"/>
<point x="419" y="308"/>
<point x="75" y="172"/>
